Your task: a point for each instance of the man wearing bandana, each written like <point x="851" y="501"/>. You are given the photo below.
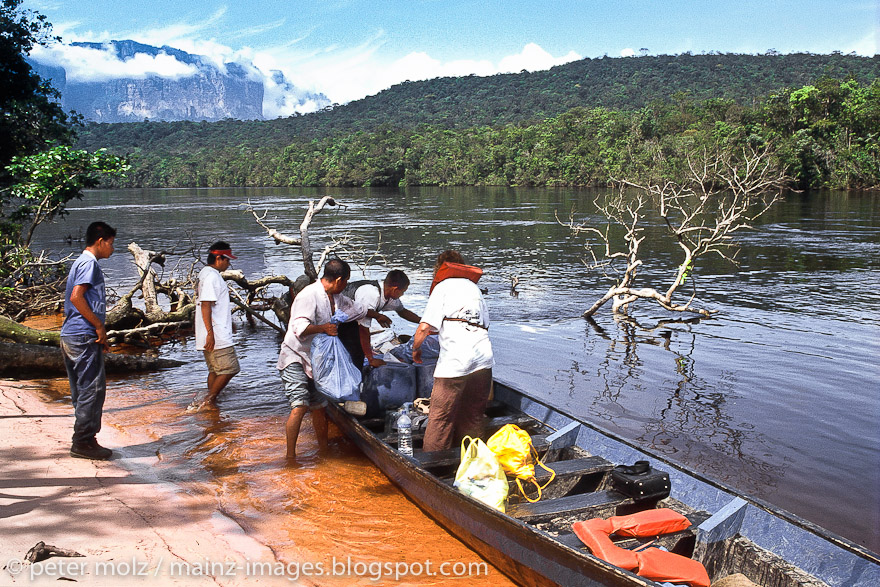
<point x="214" y="323"/>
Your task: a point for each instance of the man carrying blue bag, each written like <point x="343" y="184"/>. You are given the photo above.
<point x="332" y="370"/>
<point x="311" y="315"/>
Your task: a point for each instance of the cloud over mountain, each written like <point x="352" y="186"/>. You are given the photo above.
<point x="159" y="74"/>
<point x="103" y="63"/>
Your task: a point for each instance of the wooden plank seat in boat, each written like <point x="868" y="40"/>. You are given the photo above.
<point x="490" y="427"/>
<point x="667" y="541"/>
<point x="570" y="505"/>
<point x="452" y="456"/>
<point x="569" y="474"/>
<point x="573" y="468"/>
<point x="372" y="423"/>
<point x="570" y="540"/>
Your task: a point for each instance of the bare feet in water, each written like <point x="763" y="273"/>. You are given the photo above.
<point x="197" y="406"/>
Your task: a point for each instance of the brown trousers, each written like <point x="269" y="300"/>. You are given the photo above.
<point x="457" y="408"/>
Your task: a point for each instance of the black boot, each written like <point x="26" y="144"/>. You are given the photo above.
<point x="90" y="450"/>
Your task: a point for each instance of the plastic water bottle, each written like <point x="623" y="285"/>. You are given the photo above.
<point x="404" y="431"/>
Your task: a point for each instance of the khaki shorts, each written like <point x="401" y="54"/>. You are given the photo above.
<point x="222" y="361"/>
<point x="300" y="388"/>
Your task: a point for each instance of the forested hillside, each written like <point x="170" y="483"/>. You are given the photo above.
<point x="571" y="125"/>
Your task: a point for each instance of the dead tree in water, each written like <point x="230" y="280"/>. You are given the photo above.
<point x="128" y="323"/>
<point x="155" y="319"/>
<point x="303" y="241"/>
<point x="723" y="193"/>
<point x="339" y="244"/>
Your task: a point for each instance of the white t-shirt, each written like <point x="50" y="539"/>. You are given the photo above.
<point x="373" y="298"/>
<point x="464" y="348"/>
<point x="211" y="287"/>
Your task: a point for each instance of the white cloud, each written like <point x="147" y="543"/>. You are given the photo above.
<point x="84" y="64"/>
<point x="346" y="75"/>
<point x="175" y="32"/>
<point x="44" y="6"/>
<point x="533" y="58"/>
<point x="627" y="52"/>
<point x="342" y="73"/>
<point x="259" y="29"/>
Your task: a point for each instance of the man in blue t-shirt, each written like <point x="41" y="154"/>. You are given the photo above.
<point x="84" y="339"/>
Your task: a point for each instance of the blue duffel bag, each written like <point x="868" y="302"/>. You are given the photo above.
<point x="389" y="386"/>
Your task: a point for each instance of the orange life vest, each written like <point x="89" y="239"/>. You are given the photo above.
<point x="448" y="270"/>
<point x="652" y="563"/>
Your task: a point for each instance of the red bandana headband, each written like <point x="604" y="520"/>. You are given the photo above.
<point x="223" y="253"/>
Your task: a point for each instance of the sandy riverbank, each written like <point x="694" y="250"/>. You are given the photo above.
<point x="185" y="491"/>
<point x="182" y="487"/>
<point x="129" y="526"/>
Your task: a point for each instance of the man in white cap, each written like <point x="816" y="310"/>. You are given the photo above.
<point x="214" y="323"/>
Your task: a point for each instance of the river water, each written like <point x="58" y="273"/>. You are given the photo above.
<point x="776" y="396"/>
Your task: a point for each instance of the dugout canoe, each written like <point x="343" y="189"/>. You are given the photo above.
<point x="533" y="543"/>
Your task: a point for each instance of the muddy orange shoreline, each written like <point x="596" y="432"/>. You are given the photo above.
<point x="208" y="493"/>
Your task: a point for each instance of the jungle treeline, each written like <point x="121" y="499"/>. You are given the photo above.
<point x="496" y="131"/>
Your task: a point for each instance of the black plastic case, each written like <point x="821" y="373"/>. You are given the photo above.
<point x="640" y="482"/>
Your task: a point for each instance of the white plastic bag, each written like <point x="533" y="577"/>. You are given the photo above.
<point x="480" y="475"/>
<point x="334" y="373"/>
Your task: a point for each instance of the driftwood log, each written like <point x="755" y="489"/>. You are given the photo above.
<point x="124" y="316"/>
<point x="11" y="330"/>
<point x="41" y="551"/>
<point x="18" y="359"/>
<point x="19" y="333"/>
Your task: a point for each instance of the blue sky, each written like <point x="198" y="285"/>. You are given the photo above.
<point x="348" y="49"/>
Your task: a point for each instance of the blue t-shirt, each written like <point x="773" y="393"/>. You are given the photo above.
<point x="84" y="271"/>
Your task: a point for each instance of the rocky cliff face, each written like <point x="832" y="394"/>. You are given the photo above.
<point x="210" y="94"/>
<point x="206" y="92"/>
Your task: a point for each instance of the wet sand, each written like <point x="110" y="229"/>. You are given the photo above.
<point x="125" y="522"/>
<point x="208" y="487"/>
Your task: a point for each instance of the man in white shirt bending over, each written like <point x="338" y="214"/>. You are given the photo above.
<point x="310" y="315"/>
<point x="214" y="323"/>
<point x="376" y="296"/>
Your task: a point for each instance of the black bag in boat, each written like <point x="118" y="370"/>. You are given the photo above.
<point x="639" y="481"/>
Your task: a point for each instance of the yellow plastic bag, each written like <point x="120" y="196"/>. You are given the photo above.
<point x="480" y="475"/>
<point x="513" y="447"/>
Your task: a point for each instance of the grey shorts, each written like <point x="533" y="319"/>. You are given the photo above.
<point x="300" y="389"/>
<point x="222" y="361"/>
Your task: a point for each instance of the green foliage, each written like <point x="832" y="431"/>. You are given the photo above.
<point x="825" y="136"/>
<point x="45" y="183"/>
<point x="619" y="84"/>
<point x="36" y="179"/>
<point x="538" y="129"/>
<point x="29" y="113"/>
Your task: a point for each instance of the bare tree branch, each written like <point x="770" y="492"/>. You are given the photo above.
<point x="303" y="240"/>
<point x="723" y="193"/>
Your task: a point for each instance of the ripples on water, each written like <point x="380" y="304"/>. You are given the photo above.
<point x="777" y="397"/>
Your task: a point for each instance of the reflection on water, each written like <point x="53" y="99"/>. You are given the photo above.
<point x="777" y="397"/>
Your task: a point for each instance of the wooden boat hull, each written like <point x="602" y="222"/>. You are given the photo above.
<point x="514" y="548"/>
<point x="532" y="557"/>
